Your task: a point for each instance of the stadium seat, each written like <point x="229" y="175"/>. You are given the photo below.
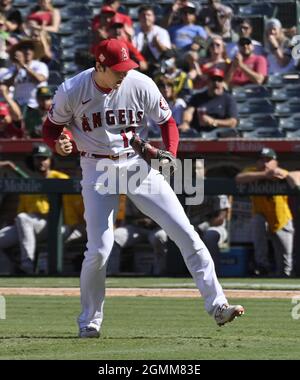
<point x="251" y="91"/>
<point x="218" y="133"/>
<point x="59" y="3"/>
<point x="255" y="106"/>
<point x="257" y="121"/>
<point x="285" y="93"/>
<point x="264" y="133"/>
<point x="293" y="134"/>
<point x="290" y="124"/>
<point x="277" y="80"/>
<point x="55" y="78"/>
<point x="288" y="107"/>
<point x="264" y="8"/>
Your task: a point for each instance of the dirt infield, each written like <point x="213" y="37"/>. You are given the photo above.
<point x="148" y="292"/>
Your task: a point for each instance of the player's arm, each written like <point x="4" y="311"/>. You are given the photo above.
<point x="59" y="115"/>
<point x="248" y="177"/>
<point x="170" y="135"/>
<point x="55" y="137"/>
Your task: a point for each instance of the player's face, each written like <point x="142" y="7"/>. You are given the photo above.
<point x="42" y="164"/>
<point x="113" y="78"/>
<point x="265" y="163"/>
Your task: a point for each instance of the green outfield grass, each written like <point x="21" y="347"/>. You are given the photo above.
<point x="148" y="328"/>
<point x="152" y="282"/>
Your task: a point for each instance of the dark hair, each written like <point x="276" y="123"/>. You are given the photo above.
<point x="245" y="21"/>
<point x="144" y="8"/>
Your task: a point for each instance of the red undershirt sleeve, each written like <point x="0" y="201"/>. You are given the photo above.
<point x="170" y="135"/>
<point x="51" y="133"/>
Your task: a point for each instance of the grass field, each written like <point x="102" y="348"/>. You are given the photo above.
<point x="153" y="282"/>
<point x="148" y="328"/>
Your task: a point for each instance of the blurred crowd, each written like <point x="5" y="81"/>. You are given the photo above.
<point x="197" y="54"/>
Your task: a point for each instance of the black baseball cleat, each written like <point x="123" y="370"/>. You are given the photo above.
<point x="88" y="332"/>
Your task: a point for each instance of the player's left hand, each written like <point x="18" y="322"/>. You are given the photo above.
<point x="63" y="145"/>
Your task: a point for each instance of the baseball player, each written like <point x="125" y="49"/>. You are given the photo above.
<point x="105" y="107"/>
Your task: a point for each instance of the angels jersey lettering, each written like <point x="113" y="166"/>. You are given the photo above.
<point x="103" y="123"/>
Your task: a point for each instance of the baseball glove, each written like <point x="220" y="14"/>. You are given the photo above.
<point x="152" y="155"/>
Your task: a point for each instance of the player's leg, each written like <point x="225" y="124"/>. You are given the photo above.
<point x="99" y="214"/>
<point x="282" y="241"/>
<point x="158" y="240"/>
<point x="260" y="242"/>
<point x="125" y="236"/>
<point x="165" y="208"/>
<point x="29" y="227"/>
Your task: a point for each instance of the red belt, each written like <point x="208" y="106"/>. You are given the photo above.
<point x="110" y="156"/>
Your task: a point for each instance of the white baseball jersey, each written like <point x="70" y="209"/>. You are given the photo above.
<point x="103" y="123"/>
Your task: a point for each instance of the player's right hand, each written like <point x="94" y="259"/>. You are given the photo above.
<point x="63" y="145"/>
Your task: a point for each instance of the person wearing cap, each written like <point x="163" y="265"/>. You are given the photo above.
<point x="26" y="74"/>
<point x="11" y="125"/>
<point x="272" y="217"/>
<point x="13" y="16"/>
<point x="213" y="108"/>
<point x="245" y="29"/>
<point x="151" y="40"/>
<point x="108" y="10"/>
<point x="247" y="67"/>
<point x="106" y="108"/>
<point x="30" y="224"/>
<point x="278" y="48"/>
<point x="187" y="34"/>
<point x="35" y="117"/>
<point x="216" y="57"/>
<point x="45" y="16"/>
<point x="216" y="18"/>
<point x="116" y="30"/>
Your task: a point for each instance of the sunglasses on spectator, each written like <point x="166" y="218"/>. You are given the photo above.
<point x="217" y="79"/>
<point x="245" y="27"/>
<point x="216" y="44"/>
<point x="188" y="11"/>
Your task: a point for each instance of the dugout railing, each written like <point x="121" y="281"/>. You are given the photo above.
<point x="55" y="188"/>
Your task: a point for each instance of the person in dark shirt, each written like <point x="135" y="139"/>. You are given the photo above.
<point x="212" y="108"/>
<point x="12" y="15"/>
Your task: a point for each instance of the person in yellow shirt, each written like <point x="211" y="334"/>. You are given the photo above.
<point x="31" y="221"/>
<point x="272" y="217"/>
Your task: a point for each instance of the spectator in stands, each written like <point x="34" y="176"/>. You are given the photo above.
<point x="35" y="117"/>
<point x="5" y="42"/>
<point x="30" y="224"/>
<point x="245" y="30"/>
<point x="247" y="67"/>
<point x="216" y="18"/>
<point x="27" y="73"/>
<point x="10" y="116"/>
<point x="176" y="104"/>
<point x="13" y="16"/>
<point x="45" y="16"/>
<point x="187" y="35"/>
<point x="112" y="6"/>
<point x="212" y="108"/>
<point x="182" y="84"/>
<point x="210" y="219"/>
<point x="116" y="28"/>
<point x="277" y="46"/>
<point x="126" y="20"/>
<point x="272" y="218"/>
<point x="215" y="58"/>
<point x="100" y="26"/>
<point x="150" y="39"/>
<point x="42" y="40"/>
<point x="136" y="228"/>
